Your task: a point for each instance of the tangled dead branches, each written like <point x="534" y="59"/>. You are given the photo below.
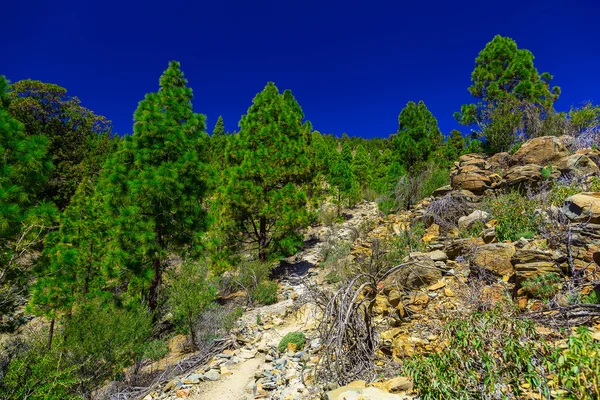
<point x="349" y="341"/>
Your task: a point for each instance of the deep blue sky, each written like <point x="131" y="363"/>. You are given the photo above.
<point x="351" y="65"/>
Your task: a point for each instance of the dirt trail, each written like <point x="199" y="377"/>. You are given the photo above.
<point x="234" y="386"/>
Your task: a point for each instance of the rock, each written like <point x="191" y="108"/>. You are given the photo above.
<point x="212" y="375"/>
<point x="489" y="235"/>
<point x="398" y="384"/>
<point x="437" y="286"/>
<point x="467" y="221"/>
<point x="370" y="393"/>
<point x="437" y="255"/>
<point x="442" y="191"/>
<point x="523" y="174"/>
<point x="499" y="161"/>
<point x="182" y="393"/>
<point x="495" y="257"/>
<point x="474" y="181"/>
<point x="448" y="292"/>
<point x="192" y="379"/>
<point x="577" y="165"/>
<point x="382" y="305"/>
<point x="531" y="263"/>
<point x="459" y="247"/>
<point x="394" y="298"/>
<point x="541" y="151"/>
<point x="225" y="371"/>
<point x="422" y="272"/>
<point x="583" y="207"/>
<point x="431" y="233"/>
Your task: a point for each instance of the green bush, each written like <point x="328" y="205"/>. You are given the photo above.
<point x="265" y="293"/>
<point x="546" y="172"/>
<point x="156" y="350"/>
<point x="297" y="338"/>
<point x="560" y="192"/>
<point x="542" y="286"/>
<point x="493" y="355"/>
<point x="515" y="147"/>
<point x="515" y="214"/>
<point x="593" y="297"/>
<point x="332" y="277"/>
<point x="438" y="177"/>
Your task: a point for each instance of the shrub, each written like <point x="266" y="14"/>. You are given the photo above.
<point x="515" y="214"/>
<point x="546" y="172"/>
<point x="415" y="186"/>
<point x="515" y="147"/>
<point x="447" y="210"/>
<point x="327" y="216"/>
<point x="332" y="277"/>
<point x="156" y="350"/>
<point x="265" y="293"/>
<point x="189" y="294"/>
<point x="297" y="338"/>
<point x="542" y="286"/>
<point x="560" y="191"/>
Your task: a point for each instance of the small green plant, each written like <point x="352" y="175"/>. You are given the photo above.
<point x="543" y="286"/>
<point x="474" y="231"/>
<point x="258" y="319"/>
<point x="594" y="184"/>
<point x="593" y="297"/>
<point x="515" y="147"/>
<point x="516" y="216"/>
<point x="297" y="338"/>
<point x="546" y="171"/>
<point x="265" y="293"/>
<point x="560" y="192"/>
<point x="332" y="277"/>
<point x="231" y="318"/>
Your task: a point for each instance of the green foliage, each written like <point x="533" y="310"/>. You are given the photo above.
<point x="154" y="185"/>
<point x="543" y="286"/>
<point x="78" y="140"/>
<point x="156" y="350"/>
<point x="560" y="192"/>
<point x="515" y="214"/>
<point x="297" y="338"/>
<point x="38" y="374"/>
<point x="265" y="293"/>
<point x="260" y="202"/>
<point x="505" y="82"/>
<point x="189" y="294"/>
<point x="592" y="297"/>
<point x="418" y="134"/>
<point x="546" y="172"/>
<point x="332" y="277"/>
<point x="575" y="370"/>
<point x="24" y="217"/>
<point x="493" y="355"/>
<point x="515" y="147"/>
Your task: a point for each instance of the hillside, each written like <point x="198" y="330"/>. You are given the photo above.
<point x="280" y="262"/>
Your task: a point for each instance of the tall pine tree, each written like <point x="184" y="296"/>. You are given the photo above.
<point x="154" y="185"/>
<point x="24" y="168"/>
<point x="262" y="205"/>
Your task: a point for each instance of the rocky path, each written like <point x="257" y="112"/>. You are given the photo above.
<point x="258" y="370"/>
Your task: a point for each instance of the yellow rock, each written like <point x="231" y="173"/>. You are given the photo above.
<point x="448" y="292"/>
<point x="398" y="384"/>
<point x="437" y="286"/>
<point x="292" y="347"/>
<point x="225" y="371"/>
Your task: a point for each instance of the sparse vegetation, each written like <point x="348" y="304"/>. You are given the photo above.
<point x="297" y="338"/>
<point x="516" y="216"/>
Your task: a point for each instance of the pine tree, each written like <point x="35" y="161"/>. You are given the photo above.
<point x="24" y="220"/>
<point x="262" y="205"/>
<point x="154" y="185"/>
<point x="418" y="134"/>
<point x="361" y="167"/>
<point x="342" y="179"/>
<point x="219" y="129"/>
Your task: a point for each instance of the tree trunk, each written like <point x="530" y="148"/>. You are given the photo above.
<point x="262" y="240"/>
<point x="157" y="278"/>
<point x="51" y="334"/>
<point x="192" y="331"/>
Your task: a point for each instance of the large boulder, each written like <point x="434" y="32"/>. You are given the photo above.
<point x="472" y="172"/>
<point x="421" y="271"/>
<point x="496" y="258"/>
<point x="541" y="151"/>
<point x="577" y="164"/>
<point x="523" y="174"/>
<point x="583" y="207"/>
<point x="531" y="263"/>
